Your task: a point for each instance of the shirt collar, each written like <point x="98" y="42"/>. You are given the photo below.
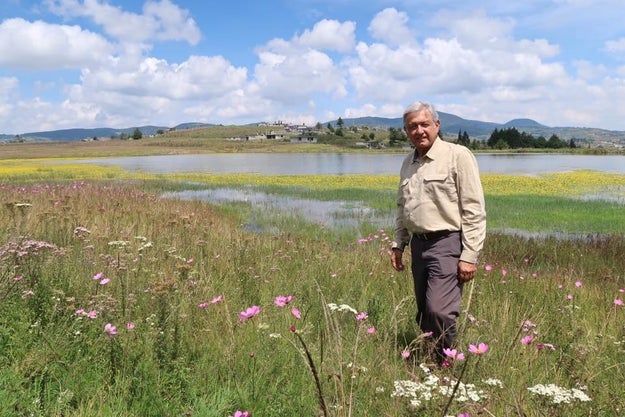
<point x="434" y="151"/>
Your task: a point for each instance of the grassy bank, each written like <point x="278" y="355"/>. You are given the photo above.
<point x="116" y="302"/>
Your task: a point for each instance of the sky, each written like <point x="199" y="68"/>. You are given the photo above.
<point x="125" y="63"/>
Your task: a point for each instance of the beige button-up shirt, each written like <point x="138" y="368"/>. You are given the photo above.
<point x="442" y="191"/>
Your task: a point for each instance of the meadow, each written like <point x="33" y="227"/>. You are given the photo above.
<point x="118" y="302"/>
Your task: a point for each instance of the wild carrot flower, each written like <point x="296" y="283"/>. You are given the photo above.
<point x="282" y="300"/>
<point x="110" y="329"/>
<point x="480" y="349"/>
<point x="249" y="313"/>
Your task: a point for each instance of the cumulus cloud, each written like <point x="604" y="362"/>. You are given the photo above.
<point x="330" y="35"/>
<point x="161" y="20"/>
<point x="390" y="27"/>
<point x="45" y="46"/>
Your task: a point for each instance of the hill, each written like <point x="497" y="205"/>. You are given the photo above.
<point x="452" y="124"/>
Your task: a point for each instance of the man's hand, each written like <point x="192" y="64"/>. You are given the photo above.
<point x="466" y="271"/>
<point x="396" y="259"/>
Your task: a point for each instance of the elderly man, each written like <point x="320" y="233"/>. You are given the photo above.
<point x="441" y="214"/>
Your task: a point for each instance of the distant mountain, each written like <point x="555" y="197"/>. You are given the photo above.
<point x="73" y="135"/>
<point x="452" y="124"/>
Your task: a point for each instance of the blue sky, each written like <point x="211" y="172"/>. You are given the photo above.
<point x="124" y="63"/>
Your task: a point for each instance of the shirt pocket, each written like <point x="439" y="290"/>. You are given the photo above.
<point x="440" y="187"/>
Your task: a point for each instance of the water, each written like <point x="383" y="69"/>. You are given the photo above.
<point x="337" y="214"/>
<point x="343" y="164"/>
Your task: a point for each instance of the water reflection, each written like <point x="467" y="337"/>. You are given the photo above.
<point x="333" y="214"/>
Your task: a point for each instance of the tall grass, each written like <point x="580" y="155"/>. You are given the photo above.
<point x="116" y="302"/>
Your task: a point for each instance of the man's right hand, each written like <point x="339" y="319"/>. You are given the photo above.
<point x="396" y="259"/>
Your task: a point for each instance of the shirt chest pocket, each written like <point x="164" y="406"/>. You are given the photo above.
<point x="440" y="187"/>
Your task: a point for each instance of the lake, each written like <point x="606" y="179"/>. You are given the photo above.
<point x="354" y="163"/>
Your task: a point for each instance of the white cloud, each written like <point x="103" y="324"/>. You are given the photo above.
<point x="330" y="35"/>
<point x="160" y="20"/>
<point x="45" y="46"/>
<point x="390" y="27"/>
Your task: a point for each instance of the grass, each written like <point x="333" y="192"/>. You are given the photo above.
<point x="180" y="273"/>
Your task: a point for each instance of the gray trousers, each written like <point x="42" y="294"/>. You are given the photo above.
<point x="437" y="289"/>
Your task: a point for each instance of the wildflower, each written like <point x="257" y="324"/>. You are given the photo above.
<point x="28" y="293"/>
<point x="217" y="299"/>
<point x="81" y="312"/>
<point x="453" y="354"/>
<point x="504" y="272"/>
<point x="342" y="307"/>
<point x="130" y="326"/>
<point x="362" y="316"/>
<point x="578" y="284"/>
<point x="296" y="313"/>
<point x="240" y="413"/>
<point x="480" y="349"/>
<point x="618" y="302"/>
<point x="464" y="415"/>
<point x="488" y="267"/>
<point x="110" y="329"/>
<point x="528" y="339"/>
<point x="203" y="305"/>
<point x="104" y="281"/>
<point x="569" y="297"/>
<point x="248" y="313"/>
<point x="371" y="330"/>
<point x="405" y="354"/>
<point x="292" y="329"/>
<point x="282" y="300"/>
<point x="18" y="278"/>
<point x="558" y="394"/>
<point x="92" y="314"/>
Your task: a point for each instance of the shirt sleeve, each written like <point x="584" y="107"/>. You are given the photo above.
<point x="472" y="206"/>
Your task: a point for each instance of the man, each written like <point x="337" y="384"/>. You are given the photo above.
<point x="441" y="215"/>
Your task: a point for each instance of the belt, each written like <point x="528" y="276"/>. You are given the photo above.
<point x="432" y="235"/>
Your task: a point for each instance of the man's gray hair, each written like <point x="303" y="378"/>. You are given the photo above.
<point x="419" y="106"/>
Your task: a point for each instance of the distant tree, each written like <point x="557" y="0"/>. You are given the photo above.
<point x="340" y="123"/>
<point x="123" y="136"/>
<point x="136" y="135"/>
<point x="339" y="132"/>
<point x="330" y="128"/>
<point x="160" y="132"/>
<point x="318" y="126"/>
<point x="395" y="136"/>
<point x="572" y="144"/>
<point x="463" y="139"/>
<point x="371" y="136"/>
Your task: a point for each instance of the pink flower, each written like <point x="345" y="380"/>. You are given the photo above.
<point x="405" y="353"/>
<point x="296" y="313"/>
<point x="578" y="284"/>
<point x="453" y="354"/>
<point x="217" y="299"/>
<point x="618" y="302"/>
<point x="81" y="312"/>
<point x="488" y="267"/>
<point x="569" y="297"/>
<point x="504" y="272"/>
<point x="98" y="276"/>
<point x="362" y="316"/>
<point x="92" y="314"/>
<point x="18" y="278"/>
<point x="526" y="340"/>
<point x="104" y="281"/>
<point x="480" y="349"/>
<point x="371" y="330"/>
<point x="110" y="329"/>
<point x="249" y="313"/>
<point x="130" y="326"/>
<point x="203" y="305"/>
<point x="282" y="300"/>
<point x="240" y="413"/>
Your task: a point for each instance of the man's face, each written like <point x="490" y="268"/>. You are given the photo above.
<point x="421" y="129"/>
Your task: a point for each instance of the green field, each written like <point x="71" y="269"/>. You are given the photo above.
<point x="117" y="302"/>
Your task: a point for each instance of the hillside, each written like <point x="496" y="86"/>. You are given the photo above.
<point x="451" y="125"/>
